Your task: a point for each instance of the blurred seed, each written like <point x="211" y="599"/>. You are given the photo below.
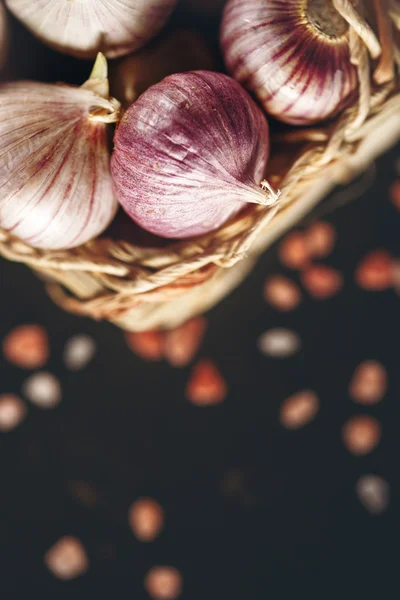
<point x="42" y="389"/>
<point x="84" y="492"/>
<point x="293" y="251"/>
<point x="395" y="193"/>
<point x="79" y="351"/>
<point x="321" y="238"/>
<point x="299" y="409"/>
<point x="27" y="346"/>
<point x="375" y="271"/>
<point x="322" y="282"/>
<point x="361" y="434"/>
<point x="233" y="482"/>
<point x="146" y="519"/>
<point x="369" y="382"/>
<point x="182" y="343"/>
<point x="396" y="276"/>
<point x="147" y="344"/>
<point x="279" y="343"/>
<point x="67" y="559"/>
<point x="206" y="385"/>
<point x="163" y="583"/>
<point x="282" y="293"/>
<point x="374" y="493"/>
<point x="12" y="411"/>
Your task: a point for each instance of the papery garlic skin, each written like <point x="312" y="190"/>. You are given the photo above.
<point x="55" y="184"/>
<point x="85" y="27"/>
<point x="3" y="34"/>
<point x="189" y="154"/>
<point x="181" y="50"/>
<point x="293" y="54"/>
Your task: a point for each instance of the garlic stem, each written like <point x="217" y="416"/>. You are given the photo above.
<point x="271" y="195"/>
<point x="363" y="30"/>
<point x="110" y="113"/>
<point x="98" y="80"/>
<point x="384" y="72"/>
<point x="108" y="110"/>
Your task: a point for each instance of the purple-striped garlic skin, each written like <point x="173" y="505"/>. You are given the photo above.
<point x="293" y="54"/>
<point x="3" y="34"/>
<point x="56" y="190"/>
<point x="85" y="27"/>
<point x="189" y="154"/>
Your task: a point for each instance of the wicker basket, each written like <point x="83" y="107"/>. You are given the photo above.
<point x="139" y="288"/>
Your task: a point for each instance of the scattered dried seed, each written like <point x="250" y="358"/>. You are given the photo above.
<point x="233" y="482"/>
<point x="396" y="276"/>
<point x="374" y="493"/>
<point x="293" y="251"/>
<point x="163" y="583"/>
<point x="361" y="434"/>
<point x="321" y="238"/>
<point x="369" y="382"/>
<point x="279" y="343"/>
<point x="322" y="282"/>
<point x="395" y="194"/>
<point x="206" y="385"/>
<point x="67" y="559"/>
<point x="42" y="389"/>
<point x="147" y="344"/>
<point x="79" y="351"/>
<point x="282" y="293"/>
<point x="375" y="271"/>
<point x="299" y="409"/>
<point x="146" y="519"/>
<point x="27" y="346"/>
<point x="84" y="492"/>
<point x="182" y="343"/>
<point x="12" y="411"/>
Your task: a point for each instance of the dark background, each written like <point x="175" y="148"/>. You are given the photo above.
<point x="294" y="526"/>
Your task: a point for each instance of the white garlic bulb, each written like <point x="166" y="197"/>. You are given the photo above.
<point x="84" y="27"/>
<point x="55" y="184"/>
<point x="3" y="34"/>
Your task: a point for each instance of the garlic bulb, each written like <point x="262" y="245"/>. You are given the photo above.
<point x="3" y="34"/>
<point x="183" y="50"/>
<point x="85" y="27"/>
<point x="55" y="184"/>
<point x="293" y="54"/>
<point x="190" y="153"/>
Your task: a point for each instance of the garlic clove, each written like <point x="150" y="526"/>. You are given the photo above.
<point x="189" y="154"/>
<point x="293" y="55"/>
<point x="55" y="185"/>
<point x="114" y="27"/>
<point x="183" y="50"/>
